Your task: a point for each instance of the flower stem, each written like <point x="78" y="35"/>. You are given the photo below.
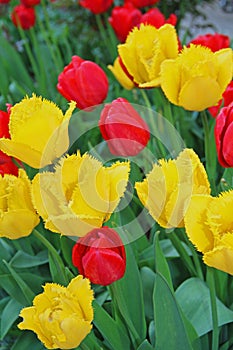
<point x="56" y="257"/>
<point x="211" y="282"/>
<point x="104" y="35"/>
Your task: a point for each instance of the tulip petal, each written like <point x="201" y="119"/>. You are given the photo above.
<point x="21" y="151"/>
<point x="225" y="59"/>
<point x="227" y="145"/>
<point x="120" y="75"/>
<point x="199" y="93"/>
<point x="168" y="34"/>
<point x="196" y="227"/>
<point x="221" y="256"/>
<point x="118" y="174"/>
<point x="170" y="80"/>
<point x="18" y="223"/>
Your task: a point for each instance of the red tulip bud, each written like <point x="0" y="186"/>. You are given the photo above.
<point x="123" y="128"/>
<point x="100" y="256"/>
<point x="96" y="6"/>
<point x="23" y="16"/>
<point x="83" y="82"/>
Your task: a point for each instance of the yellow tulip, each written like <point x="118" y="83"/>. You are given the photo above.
<point x="197" y="78"/>
<point x="209" y="226"/>
<point x="38" y="132"/>
<point x="80" y="195"/>
<point x="120" y="75"/>
<point x="61" y="316"/>
<point x="144" y="51"/>
<point x="167" y="189"/>
<point x="17" y="214"/>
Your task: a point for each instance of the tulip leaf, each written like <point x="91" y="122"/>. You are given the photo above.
<point x="128" y="297"/>
<point x="148" y="280"/>
<point x="110" y="329"/>
<point x="8" y="316"/>
<point x="161" y="262"/>
<point x="170" y="329"/>
<point x="145" y="346"/>
<point x="194" y="299"/>
<point x="24" y="260"/>
<point x="27" y="341"/>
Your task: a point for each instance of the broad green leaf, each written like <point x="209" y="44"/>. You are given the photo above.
<point x="161" y="262"/>
<point x="28" y="341"/>
<point x="6" y="250"/>
<point x="24" y="260"/>
<point x="57" y="269"/>
<point x="148" y="280"/>
<point x="9" y="315"/>
<point x="194" y="299"/>
<point x="128" y="297"/>
<point x="109" y="329"/>
<point x="145" y="346"/>
<point x="169" y="326"/>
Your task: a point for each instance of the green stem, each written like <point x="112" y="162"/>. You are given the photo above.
<point x="211" y="283"/>
<point x="57" y="259"/>
<point x="208" y="158"/>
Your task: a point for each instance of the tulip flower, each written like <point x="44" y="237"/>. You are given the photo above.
<point x="4" y="1"/>
<point x="100" y="256"/>
<point x="155" y="18"/>
<point x="17" y="214"/>
<point x="83" y="82"/>
<point x="120" y="73"/>
<point x="30" y="3"/>
<point x="224" y="136"/>
<point x="123" y="128"/>
<point x="167" y="189"/>
<point x="80" y="195"/>
<point x="227" y="98"/>
<point x="209" y="226"/>
<point x="145" y="49"/>
<point x="141" y="3"/>
<point x="23" y="16"/>
<point x="123" y="19"/>
<point x="97" y="6"/>
<point x="38" y="131"/>
<point x="60" y="316"/>
<point x="214" y="42"/>
<point x="197" y="78"/>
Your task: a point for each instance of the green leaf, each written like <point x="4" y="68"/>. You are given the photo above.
<point x="28" y="341"/>
<point x="9" y="315"/>
<point x="6" y="250"/>
<point x="194" y="299"/>
<point x="145" y="346"/>
<point x="169" y="326"/>
<point x="161" y="262"/>
<point x="148" y="280"/>
<point x="24" y="260"/>
<point x="128" y="297"/>
<point x="109" y="329"/>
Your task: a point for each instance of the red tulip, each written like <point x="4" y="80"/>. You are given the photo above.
<point x="141" y="3"/>
<point x="23" y="16"/>
<point x="224" y="136"/>
<point x="96" y="6"/>
<point x="7" y="166"/>
<point x="100" y="256"/>
<point x="30" y="3"/>
<point x="225" y="101"/>
<point x="4" y="1"/>
<point x="214" y="42"/>
<point x="83" y="82"/>
<point x="157" y="19"/>
<point x="123" y="128"/>
<point x="123" y="19"/>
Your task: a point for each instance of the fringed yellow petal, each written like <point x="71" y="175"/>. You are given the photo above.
<point x="196" y="226"/>
<point x="225" y="72"/>
<point x="219" y="214"/>
<point x="118" y="175"/>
